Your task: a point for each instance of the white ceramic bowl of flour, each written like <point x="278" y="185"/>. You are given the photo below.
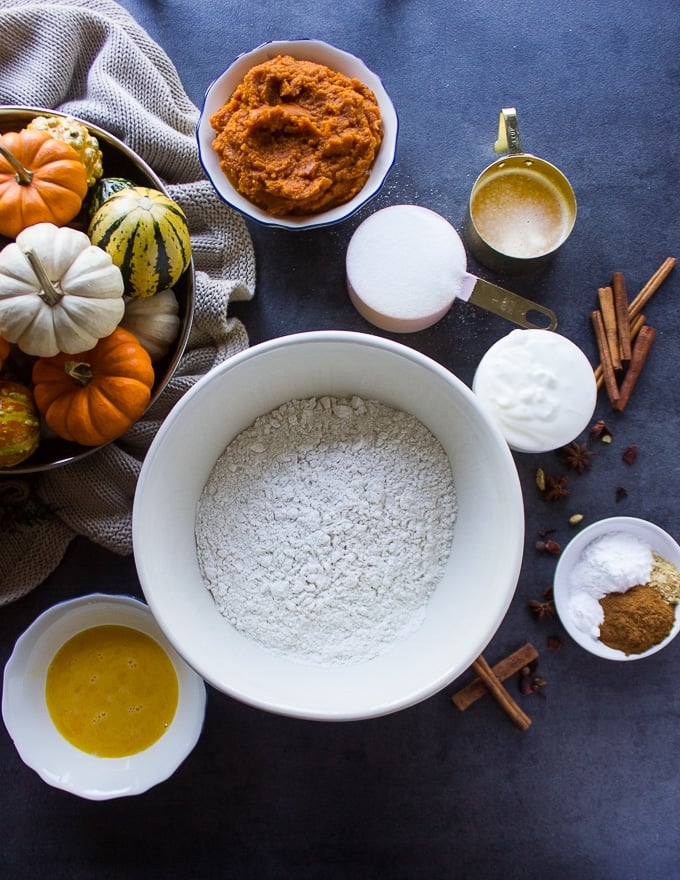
<point x="479" y="575"/>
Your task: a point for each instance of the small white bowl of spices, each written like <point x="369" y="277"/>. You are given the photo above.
<point x="329" y="526"/>
<point x="97" y="701"/>
<point x="617" y="588"/>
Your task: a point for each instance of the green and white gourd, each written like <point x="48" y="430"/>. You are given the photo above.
<point x="147" y="236"/>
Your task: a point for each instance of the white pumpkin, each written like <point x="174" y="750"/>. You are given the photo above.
<point x="58" y="291"/>
<point x="154" y="320"/>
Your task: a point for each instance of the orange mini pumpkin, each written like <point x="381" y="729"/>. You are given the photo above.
<point x="41" y="180"/>
<point x="94" y="397"/>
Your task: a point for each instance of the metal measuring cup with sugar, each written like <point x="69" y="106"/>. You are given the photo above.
<point x="405" y="266"/>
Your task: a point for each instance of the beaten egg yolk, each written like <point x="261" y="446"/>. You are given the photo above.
<point x="111" y="691"/>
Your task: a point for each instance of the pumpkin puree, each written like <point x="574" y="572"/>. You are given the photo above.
<point x="297" y="137"/>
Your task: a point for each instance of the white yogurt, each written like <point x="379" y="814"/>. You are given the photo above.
<point x="539" y="387"/>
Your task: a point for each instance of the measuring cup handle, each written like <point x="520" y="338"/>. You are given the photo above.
<point x="508" y="133"/>
<point x="512" y="306"/>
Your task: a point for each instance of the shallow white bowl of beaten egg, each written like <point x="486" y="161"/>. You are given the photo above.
<point x="479" y="578"/>
<point x="36" y="737"/>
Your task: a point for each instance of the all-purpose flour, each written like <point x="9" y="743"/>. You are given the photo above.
<point x="325" y="527"/>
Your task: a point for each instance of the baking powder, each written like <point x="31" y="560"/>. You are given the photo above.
<point x="324" y="528"/>
<point x="612" y="563"/>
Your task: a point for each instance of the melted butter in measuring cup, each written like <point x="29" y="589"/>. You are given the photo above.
<point x="539" y="387"/>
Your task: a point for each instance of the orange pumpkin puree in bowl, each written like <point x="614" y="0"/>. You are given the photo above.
<point x="297" y="137"/>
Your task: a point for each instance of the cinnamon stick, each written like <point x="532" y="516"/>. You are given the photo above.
<point x="635" y="326"/>
<point x="650" y="288"/>
<point x="641" y="349"/>
<point x="605" y="357"/>
<point x="643" y="297"/>
<point x="508" y="666"/>
<point x="510" y="707"/>
<point x="605" y="297"/>
<point x="620" y="293"/>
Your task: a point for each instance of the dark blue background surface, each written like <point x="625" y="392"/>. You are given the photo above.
<point x="590" y="792"/>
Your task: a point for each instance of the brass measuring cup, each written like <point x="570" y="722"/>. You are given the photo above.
<point x="521" y="208"/>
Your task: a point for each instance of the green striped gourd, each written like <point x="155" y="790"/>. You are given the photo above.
<point x="147" y="236"/>
<point x="103" y="190"/>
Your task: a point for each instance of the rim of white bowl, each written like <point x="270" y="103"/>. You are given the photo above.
<point x="298" y="706"/>
<point x="660" y="541"/>
<point x="38" y="742"/>
<point x="219" y="91"/>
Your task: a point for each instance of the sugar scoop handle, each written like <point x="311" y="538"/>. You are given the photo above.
<point x="508" y="305"/>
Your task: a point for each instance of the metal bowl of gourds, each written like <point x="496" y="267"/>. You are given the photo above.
<point x="96" y="288"/>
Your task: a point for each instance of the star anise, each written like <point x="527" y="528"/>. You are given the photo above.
<point x="555" y="488"/>
<point x="542" y="609"/>
<point x="577" y="456"/>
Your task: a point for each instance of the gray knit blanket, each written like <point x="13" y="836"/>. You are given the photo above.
<point x="90" y="59"/>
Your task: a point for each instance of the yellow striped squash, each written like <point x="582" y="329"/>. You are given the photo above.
<point x="147" y="236"/>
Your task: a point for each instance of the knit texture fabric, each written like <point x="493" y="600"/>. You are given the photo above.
<point x="90" y="59"/>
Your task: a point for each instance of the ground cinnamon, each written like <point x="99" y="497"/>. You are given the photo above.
<point x="636" y="620"/>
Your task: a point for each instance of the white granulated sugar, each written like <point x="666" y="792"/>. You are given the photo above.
<point x="324" y="528"/>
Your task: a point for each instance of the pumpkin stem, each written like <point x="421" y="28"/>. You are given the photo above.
<point x="22" y="174"/>
<point x="79" y="371"/>
<point x="50" y="294"/>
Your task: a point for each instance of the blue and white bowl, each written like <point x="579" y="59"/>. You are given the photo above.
<point x="221" y="90"/>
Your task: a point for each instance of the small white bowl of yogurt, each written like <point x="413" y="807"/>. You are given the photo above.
<point x="539" y="387"/>
<point x="138" y="710"/>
